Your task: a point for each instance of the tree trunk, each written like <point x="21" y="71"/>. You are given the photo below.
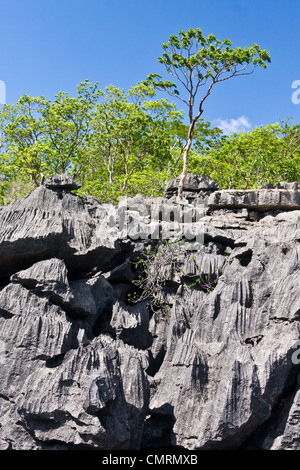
<point x="124" y="187"/>
<point x="110" y="169"/>
<point x="186" y="158"/>
<point x="110" y="176"/>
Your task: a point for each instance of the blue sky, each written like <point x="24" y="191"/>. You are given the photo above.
<point x="49" y="46"/>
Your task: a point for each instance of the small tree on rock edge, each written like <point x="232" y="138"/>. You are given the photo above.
<point x="198" y="62"/>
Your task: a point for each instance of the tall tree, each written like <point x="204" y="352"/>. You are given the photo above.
<point x="69" y="128"/>
<point x="23" y="138"/>
<point x="40" y="138"/>
<point x="131" y="133"/>
<point x="198" y="62"/>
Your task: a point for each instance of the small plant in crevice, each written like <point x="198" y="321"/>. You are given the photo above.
<point x="206" y="282"/>
<point x="155" y="267"/>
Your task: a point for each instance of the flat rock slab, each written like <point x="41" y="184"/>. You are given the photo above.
<point x="260" y="200"/>
<point x="62" y="182"/>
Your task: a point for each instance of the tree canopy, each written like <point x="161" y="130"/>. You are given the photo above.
<point x="245" y="160"/>
<point x="198" y="63"/>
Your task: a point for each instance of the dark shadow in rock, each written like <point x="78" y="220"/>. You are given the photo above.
<point x="217" y="306"/>
<point x="55" y="361"/>
<point x="245" y="257"/>
<point x="254" y="340"/>
<point x="155" y="362"/>
<point x="5" y="314"/>
<point x="136" y="419"/>
<point x="124" y="249"/>
<point x="17" y="258"/>
<point x="121" y="290"/>
<point x="199" y="373"/>
<point x="102" y="324"/>
<point x="158" y="428"/>
<point x="111" y="419"/>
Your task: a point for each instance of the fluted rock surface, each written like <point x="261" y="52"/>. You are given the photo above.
<point x="54" y="223"/>
<point x="84" y="368"/>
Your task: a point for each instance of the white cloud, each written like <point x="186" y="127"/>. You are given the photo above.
<point x="229" y="126"/>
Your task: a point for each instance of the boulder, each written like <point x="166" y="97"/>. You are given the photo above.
<point x="193" y="185"/>
<point x="62" y="181"/>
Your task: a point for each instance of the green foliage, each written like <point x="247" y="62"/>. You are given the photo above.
<point x="14" y="189"/>
<point x="118" y="143"/>
<point x="113" y="143"/>
<point x="247" y="160"/>
<point x="130" y="138"/>
<point x="159" y="263"/>
<point x="40" y="138"/>
<point x="23" y="142"/>
<point x="206" y="282"/>
<point x="195" y="60"/>
<point x="69" y="129"/>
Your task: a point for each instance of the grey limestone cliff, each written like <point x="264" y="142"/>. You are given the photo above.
<point x="82" y="367"/>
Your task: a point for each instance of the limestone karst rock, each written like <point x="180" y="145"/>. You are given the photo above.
<point x="83" y="368"/>
<point x="194" y="186"/>
<point x="62" y="181"/>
